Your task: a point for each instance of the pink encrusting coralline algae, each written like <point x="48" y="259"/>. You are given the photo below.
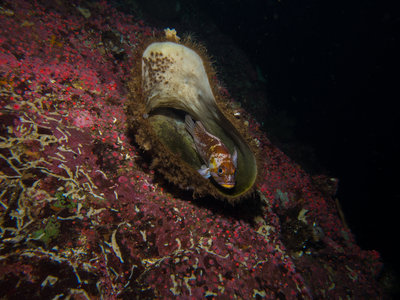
<point x="81" y="214"/>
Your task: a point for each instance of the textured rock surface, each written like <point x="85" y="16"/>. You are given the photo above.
<point x="83" y="216"/>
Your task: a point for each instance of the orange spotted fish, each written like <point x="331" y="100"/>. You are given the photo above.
<point x="220" y="164"/>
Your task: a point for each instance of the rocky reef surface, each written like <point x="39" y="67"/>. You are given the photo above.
<point x="82" y="216"/>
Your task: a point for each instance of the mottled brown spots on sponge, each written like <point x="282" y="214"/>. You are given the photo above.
<point x="156" y="65"/>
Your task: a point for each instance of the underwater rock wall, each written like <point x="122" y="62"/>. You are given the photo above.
<point x="82" y="216"/>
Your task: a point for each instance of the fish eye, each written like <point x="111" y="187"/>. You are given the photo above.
<point x="220" y="171"/>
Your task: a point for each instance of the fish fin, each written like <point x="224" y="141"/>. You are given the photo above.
<point x="204" y="171"/>
<point x="200" y="126"/>
<point x="189" y="124"/>
<point x="234" y="157"/>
